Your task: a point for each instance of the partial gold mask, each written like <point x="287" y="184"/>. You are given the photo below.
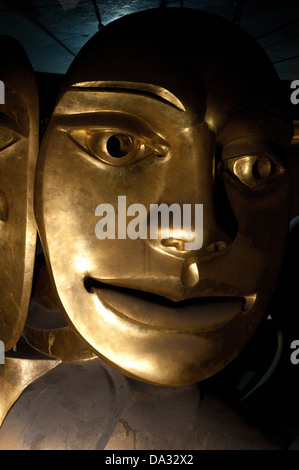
<point x="157" y="110"/>
<point x="19" y="141"/>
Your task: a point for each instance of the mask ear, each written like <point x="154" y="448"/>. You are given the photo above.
<point x="19" y="141"/>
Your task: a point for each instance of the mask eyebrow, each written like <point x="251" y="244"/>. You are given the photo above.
<point x="146" y="89"/>
<point x="256" y="121"/>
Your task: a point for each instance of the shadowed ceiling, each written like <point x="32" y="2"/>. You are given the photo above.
<point x="53" y="31"/>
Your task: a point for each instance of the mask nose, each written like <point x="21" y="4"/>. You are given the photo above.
<point x="214" y="248"/>
<point x="187" y="221"/>
<point x="202" y="235"/>
<point x="213" y="242"/>
<point x="191" y="194"/>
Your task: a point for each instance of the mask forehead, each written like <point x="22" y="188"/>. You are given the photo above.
<point x="18" y="154"/>
<point x="194" y="138"/>
<point x="180" y="50"/>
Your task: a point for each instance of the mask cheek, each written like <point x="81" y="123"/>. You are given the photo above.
<point x="262" y="218"/>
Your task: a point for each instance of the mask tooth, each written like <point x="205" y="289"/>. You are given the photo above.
<point x="190" y="274"/>
<point x="249" y="301"/>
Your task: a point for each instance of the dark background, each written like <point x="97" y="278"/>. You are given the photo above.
<point x="53" y="31"/>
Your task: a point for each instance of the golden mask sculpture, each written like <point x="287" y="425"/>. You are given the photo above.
<point x="166" y="107"/>
<point x="19" y="141"/>
<point x="19" y="145"/>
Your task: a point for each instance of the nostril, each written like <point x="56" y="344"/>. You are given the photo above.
<point x="217" y="246"/>
<point x="179" y="244"/>
<point x="173" y="243"/>
<point x="88" y="284"/>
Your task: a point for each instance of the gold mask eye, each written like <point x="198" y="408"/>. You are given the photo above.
<point x="120" y="145"/>
<point x="114" y="148"/>
<point x="252" y="170"/>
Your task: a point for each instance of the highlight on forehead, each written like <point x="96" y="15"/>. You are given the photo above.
<point x="134" y="87"/>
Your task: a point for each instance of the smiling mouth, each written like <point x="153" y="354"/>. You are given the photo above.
<point x="195" y="315"/>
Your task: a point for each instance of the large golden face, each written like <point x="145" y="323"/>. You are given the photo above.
<point x="18" y="154"/>
<point x="147" y="122"/>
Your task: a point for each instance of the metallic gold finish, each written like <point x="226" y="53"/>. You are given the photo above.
<point x="190" y="274"/>
<point x="215" y="135"/>
<point x="45" y="328"/>
<point x="18" y="154"/>
<point x="46" y="331"/>
<point x="42" y="290"/>
<point x="21" y="368"/>
<point x="137" y="87"/>
<point x="295" y="140"/>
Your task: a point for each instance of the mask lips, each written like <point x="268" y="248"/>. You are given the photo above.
<point x="201" y="314"/>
